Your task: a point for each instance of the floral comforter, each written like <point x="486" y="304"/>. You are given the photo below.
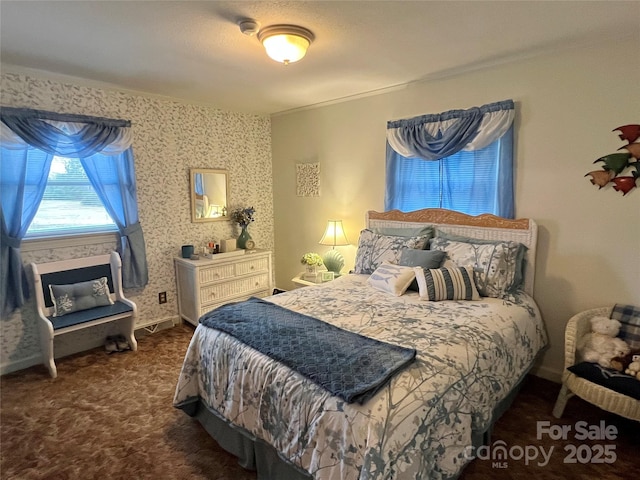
<point x="470" y="355"/>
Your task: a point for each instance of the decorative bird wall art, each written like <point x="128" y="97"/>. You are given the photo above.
<point x="615" y="164"/>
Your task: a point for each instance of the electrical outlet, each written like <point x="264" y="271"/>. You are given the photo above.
<point x="162" y="297"/>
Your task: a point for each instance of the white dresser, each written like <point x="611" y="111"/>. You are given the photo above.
<point x="226" y="277"/>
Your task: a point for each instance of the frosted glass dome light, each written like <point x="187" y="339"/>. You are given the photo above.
<point x="285" y="43"/>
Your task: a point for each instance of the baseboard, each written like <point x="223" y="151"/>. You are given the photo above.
<point x="174" y="321"/>
<point x="10" y="367"/>
<point x="547" y="373"/>
<point x="149" y="328"/>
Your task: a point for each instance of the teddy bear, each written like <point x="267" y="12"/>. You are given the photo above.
<point x="601" y="344"/>
<point x="634" y="368"/>
<point x="621" y="363"/>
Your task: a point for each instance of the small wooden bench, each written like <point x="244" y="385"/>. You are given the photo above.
<point x="67" y="272"/>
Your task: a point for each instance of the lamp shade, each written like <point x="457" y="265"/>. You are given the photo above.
<point x="334" y="234"/>
<point x="285" y="43"/>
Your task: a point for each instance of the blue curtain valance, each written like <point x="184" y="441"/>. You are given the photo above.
<point x="29" y="113"/>
<point x="435" y="136"/>
<point x="66" y="135"/>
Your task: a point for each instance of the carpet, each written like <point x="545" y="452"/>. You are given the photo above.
<point x="109" y="416"/>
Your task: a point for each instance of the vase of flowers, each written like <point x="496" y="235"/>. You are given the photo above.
<point x="311" y="262"/>
<point x="243" y="217"/>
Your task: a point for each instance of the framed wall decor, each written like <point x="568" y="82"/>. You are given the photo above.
<point x="308" y="179"/>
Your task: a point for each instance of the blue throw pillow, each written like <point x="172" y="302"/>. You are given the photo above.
<point x="427" y="259"/>
<point x="79" y="296"/>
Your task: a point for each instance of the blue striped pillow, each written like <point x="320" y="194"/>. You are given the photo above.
<point x="452" y="283"/>
<point x="629" y="317"/>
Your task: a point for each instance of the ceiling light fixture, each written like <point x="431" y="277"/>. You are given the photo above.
<point x="285" y="43"/>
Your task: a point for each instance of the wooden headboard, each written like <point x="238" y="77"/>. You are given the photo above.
<point x="484" y="227"/>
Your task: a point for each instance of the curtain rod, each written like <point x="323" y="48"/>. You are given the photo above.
<point x="62" y="117"/>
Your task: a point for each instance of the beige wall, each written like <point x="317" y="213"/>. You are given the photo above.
<point x="567" y="104"/>
<point x="169" y="138"/>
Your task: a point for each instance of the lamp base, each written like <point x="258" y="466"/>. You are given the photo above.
<point x="334" y="261"/>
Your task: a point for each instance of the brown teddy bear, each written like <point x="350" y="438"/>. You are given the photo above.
<point x="621" y="363"/>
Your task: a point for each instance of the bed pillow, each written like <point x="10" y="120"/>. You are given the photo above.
<point x="79" y="296"/>
<point x="453" y="283"/>
<point x="421" y="258"/>
<point x="427" y="230"/>
<point x="391" y="278"/>
<point x="373" y="249"/>
<point x="520" y="260"/>
<point x="494" y="264"/>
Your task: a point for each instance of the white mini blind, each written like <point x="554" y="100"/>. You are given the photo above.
<point x="70" y="204"/>
<point x="465" y="181"/>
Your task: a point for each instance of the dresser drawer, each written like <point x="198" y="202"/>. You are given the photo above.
<point x="215" y="273"/>
<point x="233" y="288"/>
<point x="252" y="266"/>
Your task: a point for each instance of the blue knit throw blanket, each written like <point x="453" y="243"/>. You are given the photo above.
<point x="348" y="365"/>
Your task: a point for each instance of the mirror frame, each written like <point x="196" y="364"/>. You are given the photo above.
<point x="192" y="185"/>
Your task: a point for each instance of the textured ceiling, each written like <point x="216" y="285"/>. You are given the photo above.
<point x="194" y="51"/>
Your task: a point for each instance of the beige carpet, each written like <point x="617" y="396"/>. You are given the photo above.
<point x="110" y="417"/>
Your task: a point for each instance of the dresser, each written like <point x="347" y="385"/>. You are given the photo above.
<point x="207" y="283"/>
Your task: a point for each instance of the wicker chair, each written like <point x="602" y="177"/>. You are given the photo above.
<point x="602" y="397"/>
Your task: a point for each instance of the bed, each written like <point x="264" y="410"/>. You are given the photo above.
<point x="427" y="420"/>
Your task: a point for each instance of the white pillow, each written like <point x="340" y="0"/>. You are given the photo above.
<point x="452" y="283"/>
<point x="391" y="278"/>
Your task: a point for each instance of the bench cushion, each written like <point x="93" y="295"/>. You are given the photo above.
<point x="84" y="316"/>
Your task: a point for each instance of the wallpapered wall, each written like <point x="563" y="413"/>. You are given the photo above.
<point x="169" y="139"/>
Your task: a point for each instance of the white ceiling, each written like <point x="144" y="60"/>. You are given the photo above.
<point x="194" y="50"/>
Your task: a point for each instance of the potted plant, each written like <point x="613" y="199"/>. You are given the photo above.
<point x="243" y="217"/>
<point x="311" y="261"/>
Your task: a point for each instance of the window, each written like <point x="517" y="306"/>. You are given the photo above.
<point x="31" y="141"/>
<point x="70" y="204"/>
<point x="458" y="160"/>
<point x="467" y="182"/>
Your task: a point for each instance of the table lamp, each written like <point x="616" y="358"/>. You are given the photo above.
<point x="334" y="235"/>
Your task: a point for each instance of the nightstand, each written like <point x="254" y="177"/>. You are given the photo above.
<point x="299" y="280"/>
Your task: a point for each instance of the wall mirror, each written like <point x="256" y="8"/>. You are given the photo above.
<point x="209" y="195"/>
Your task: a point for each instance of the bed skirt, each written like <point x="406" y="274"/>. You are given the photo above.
<point x="255" y="454"/>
